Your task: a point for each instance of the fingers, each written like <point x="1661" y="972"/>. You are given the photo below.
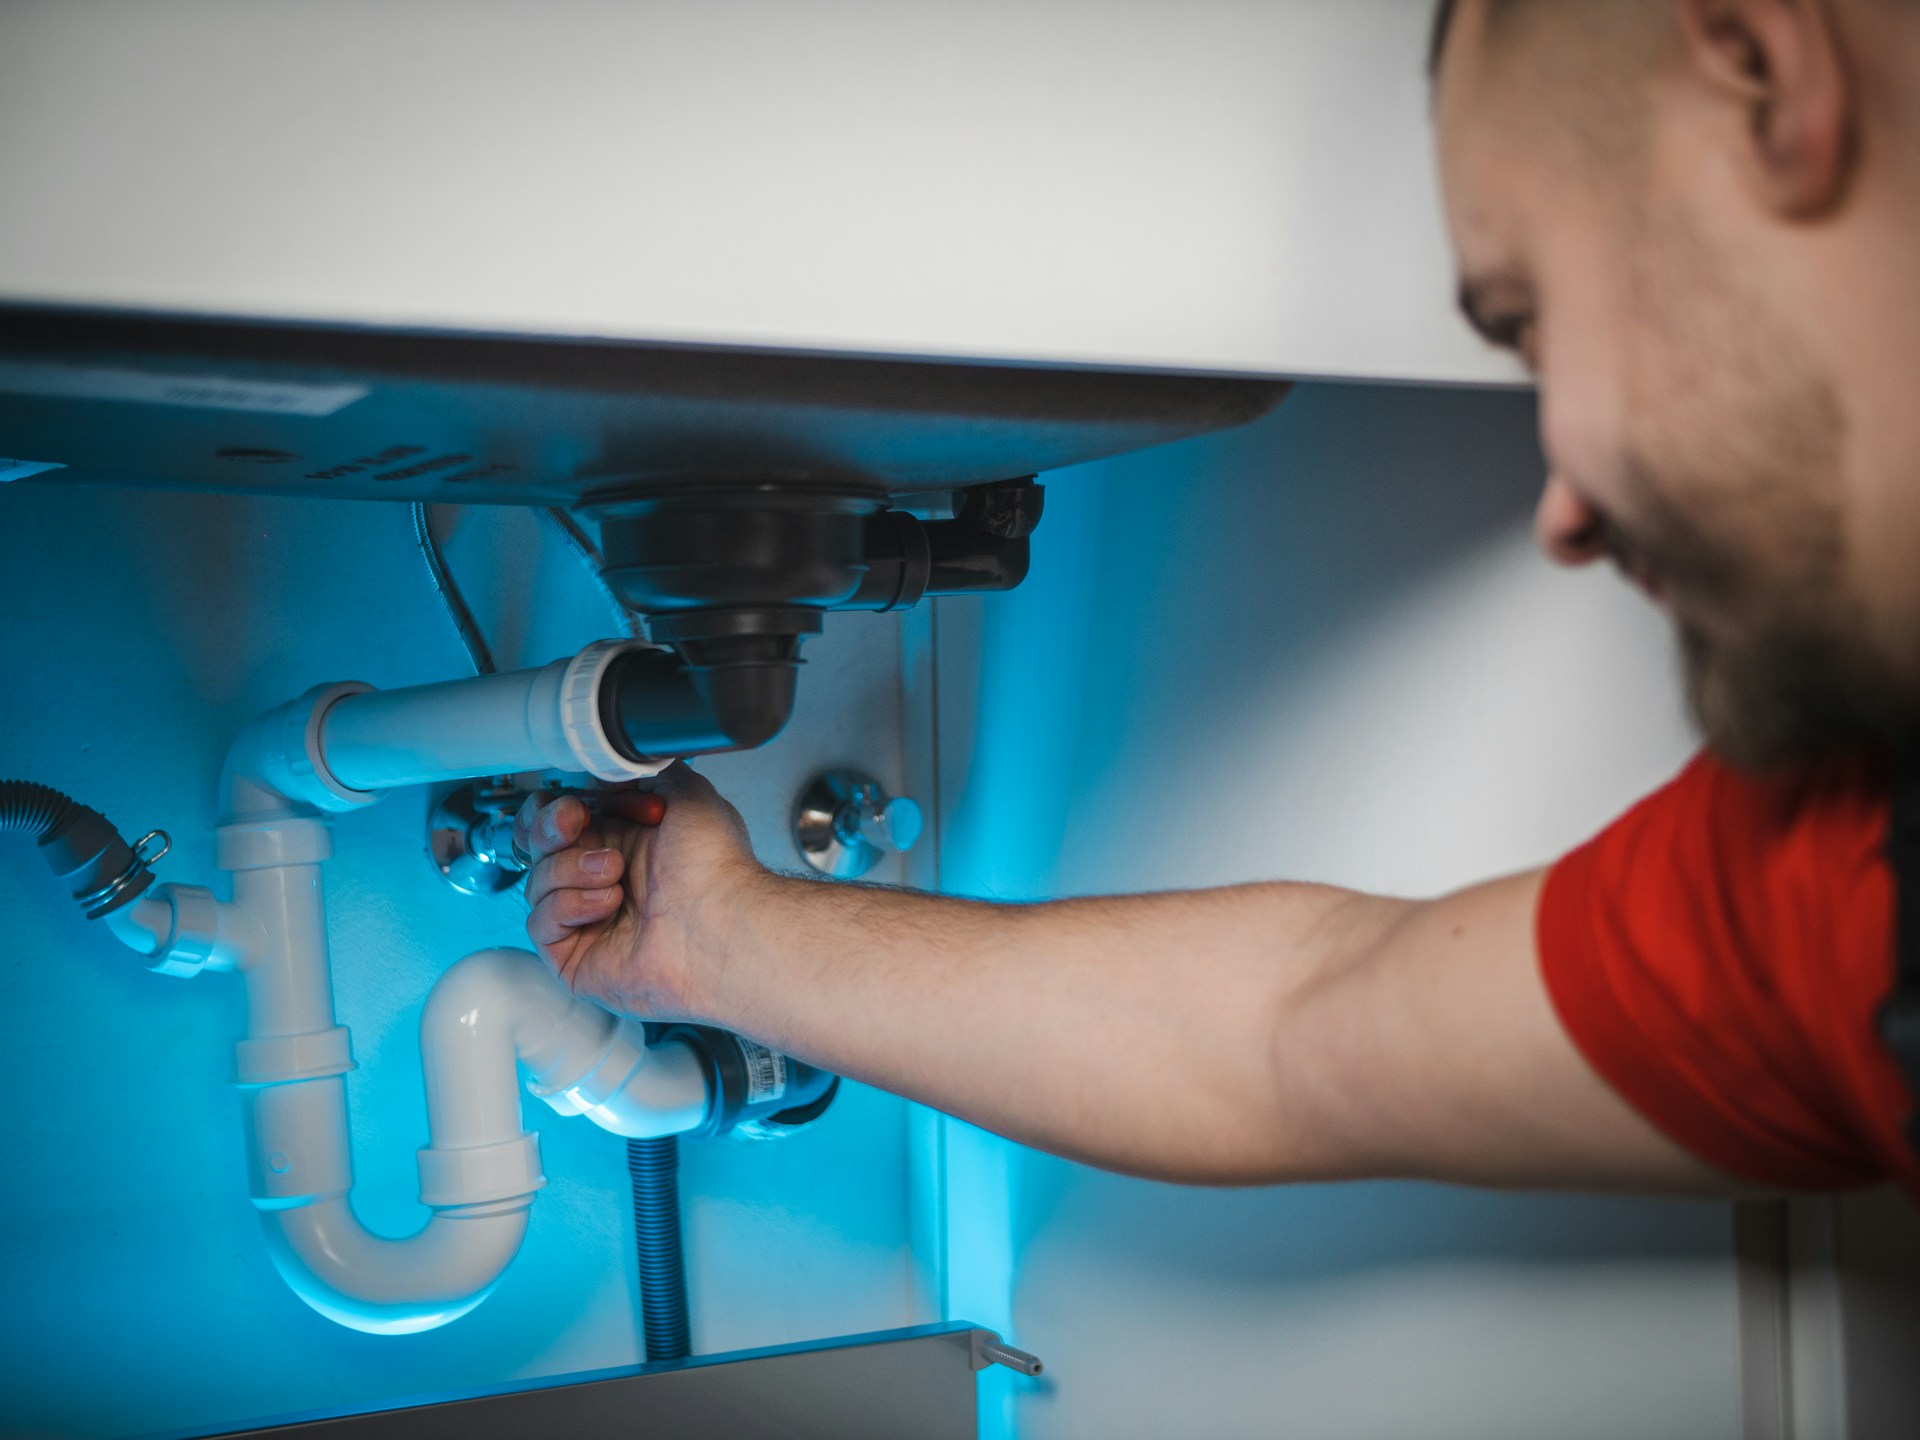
<point x="562" y="912"/>
<point x="577" y="868"/>
<point x="544" y="826"/>
<point x="681" y="779"/>
<point x="577" y="875"/>
<point x="548" y="824"/>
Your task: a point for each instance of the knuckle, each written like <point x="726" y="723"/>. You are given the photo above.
<point x="581" y="906"/>
<point x="542" y="928"/>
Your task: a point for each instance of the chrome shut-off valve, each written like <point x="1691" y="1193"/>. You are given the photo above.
<point x="844" y="823"/>
<point x="470" y="837"/>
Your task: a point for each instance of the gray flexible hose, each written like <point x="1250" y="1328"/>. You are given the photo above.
<point x="582" y="545"/>
<point x="32" y="810"/>
<point x="654" y="1168"/>
<point x="449" y="593"/>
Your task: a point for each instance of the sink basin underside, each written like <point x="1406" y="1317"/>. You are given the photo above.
<point x="295" y="408"/>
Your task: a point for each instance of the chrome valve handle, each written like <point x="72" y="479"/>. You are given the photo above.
<point x="844" y="823"/>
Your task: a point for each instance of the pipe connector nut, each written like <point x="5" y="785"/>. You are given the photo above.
<point x="580" y="721"/>
<point x="282" y="751"/>
<point x="482" y="1174"/>
<point x="193" y="928"/>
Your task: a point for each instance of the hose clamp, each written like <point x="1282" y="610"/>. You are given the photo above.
<point x="130" y="881"/>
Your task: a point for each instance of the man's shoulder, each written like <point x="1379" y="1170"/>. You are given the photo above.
<point x="1720" y="952"/>
<point x="1827" y="818"/>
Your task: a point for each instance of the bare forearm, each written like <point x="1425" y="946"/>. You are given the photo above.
<point x="1259" y="1033"/>
<point x="1137" y="1033"/>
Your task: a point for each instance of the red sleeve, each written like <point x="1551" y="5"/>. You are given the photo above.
<point x="1718" y="955"/>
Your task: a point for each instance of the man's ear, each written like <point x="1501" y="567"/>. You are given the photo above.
<point x="1780" y="63"/>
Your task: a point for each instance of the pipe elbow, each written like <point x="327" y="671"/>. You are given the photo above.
<point x="503" y="990"/>
<point x="391" y="1287"/>
<point x="276" y="766"/>
<point x="750" y="703"/>
<point x="580" y="1058"/>
<point x="479" y="1173"/>
<point x="500" y="1006"/>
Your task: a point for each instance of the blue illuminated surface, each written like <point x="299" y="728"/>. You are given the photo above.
<point x="1183" y="603"/>
<point x="139" y="631"/>
<point x="1003" y="841"/>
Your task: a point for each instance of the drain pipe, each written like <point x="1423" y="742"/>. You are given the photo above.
<point x="479" y="1171"/>
<point x="338" y="748"/>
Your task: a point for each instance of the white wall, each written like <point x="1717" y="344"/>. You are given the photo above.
<point x="138" y="631"/>
<point x="1322" y="648"/>
<point x="1220" y="184"/>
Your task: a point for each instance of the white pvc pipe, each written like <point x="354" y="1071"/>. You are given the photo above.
<point x="496" y="1006"/>
<point x="390" y="1287"/>
<point x="290" y="982"/>
<point x="481" y="1170"/>
<point x="487" y="1014"/>
<point x="387" y="738"/>
<point x="143" y="926"/>
<point x="184" y="931"/>
<point x="488" y="725"/>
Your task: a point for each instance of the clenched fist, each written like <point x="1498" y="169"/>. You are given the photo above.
<point x="630" y="905"/>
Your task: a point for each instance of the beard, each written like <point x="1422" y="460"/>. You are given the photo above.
<point x="1778" y="665"/>
<point x="1734" y="481"/>
<point x="1787" y="693"/>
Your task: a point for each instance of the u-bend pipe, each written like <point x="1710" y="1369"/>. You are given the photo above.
<point x="492" y="1012"/>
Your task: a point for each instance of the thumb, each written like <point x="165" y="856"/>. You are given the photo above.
<point x="682" y="782"/>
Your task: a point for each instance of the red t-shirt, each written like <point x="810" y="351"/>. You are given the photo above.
<point x="1718" y="954"/>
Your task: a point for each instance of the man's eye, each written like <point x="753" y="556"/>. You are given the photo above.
<point x="1511" y="332"/>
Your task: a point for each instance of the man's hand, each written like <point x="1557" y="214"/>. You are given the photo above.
<point x="628" y="905"/>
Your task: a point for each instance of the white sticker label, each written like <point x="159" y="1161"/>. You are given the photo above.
<point x="196" y="392"/>
<point x="766" y="1071"/>
<point x="21" y="469"/>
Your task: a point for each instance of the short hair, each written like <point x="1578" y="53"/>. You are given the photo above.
<point x="1437" y="38"/>
<point x="1497" y="11"/>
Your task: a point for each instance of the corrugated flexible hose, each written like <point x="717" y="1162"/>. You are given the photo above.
<point x="79" y="845"/>
<point x="654" y="1167"/>
<point x="30" y="809"/>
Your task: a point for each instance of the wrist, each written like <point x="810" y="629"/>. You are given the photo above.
<point x="728" y="944"/>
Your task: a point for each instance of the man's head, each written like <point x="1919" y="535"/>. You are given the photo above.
<point x="1698" y="222"/>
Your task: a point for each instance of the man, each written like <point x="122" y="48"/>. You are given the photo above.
<point x="1695" y="220"/>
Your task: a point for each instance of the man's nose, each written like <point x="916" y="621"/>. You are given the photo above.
<point x="1567" y="526"/>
